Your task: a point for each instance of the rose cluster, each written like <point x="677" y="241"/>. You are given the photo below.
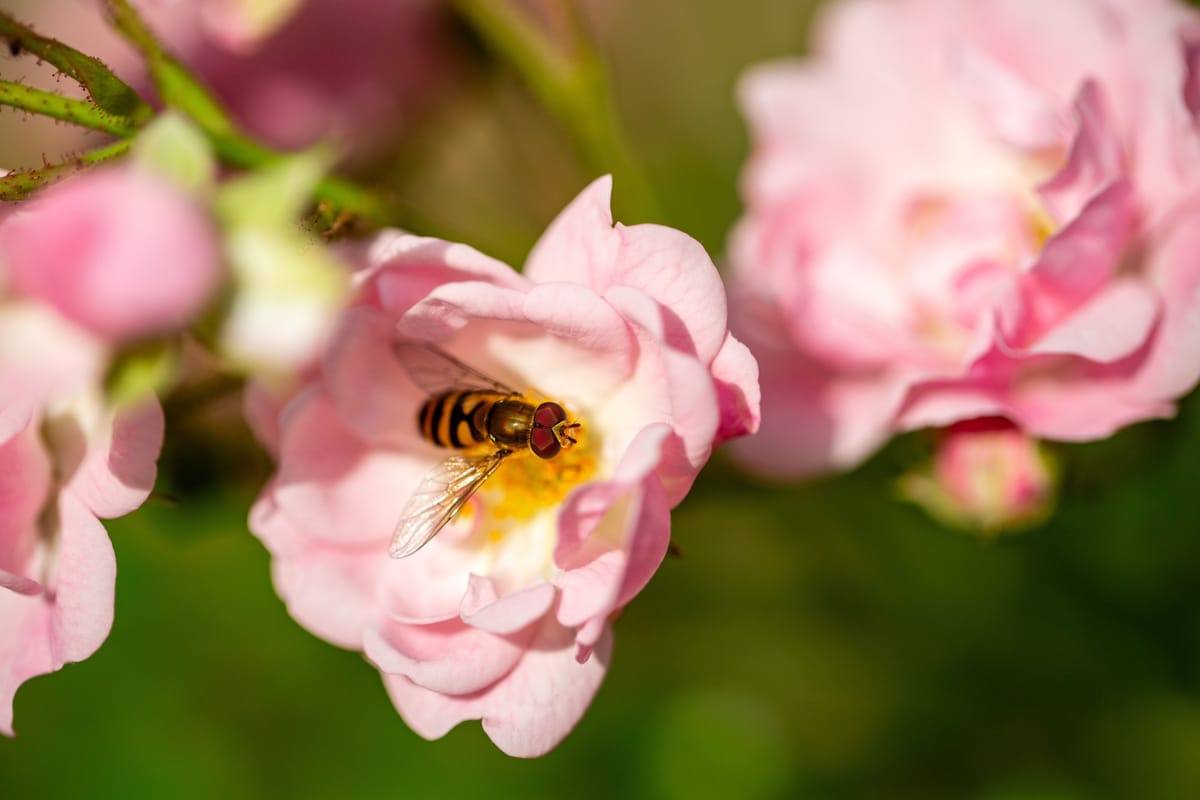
<point x="981" y="218"/>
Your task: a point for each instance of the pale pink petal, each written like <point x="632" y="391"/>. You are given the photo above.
<point x="333" y="485"/>
<point x="449" y="657"/>
<point x="117" y="471"/>
<point x="374" y="395"/>
<point x="682" y="388"/>
<point x="483" y="608"/>
<point x="15" y="412"/>
<point x="24" y="648"/>
<point x="1173" y="366"/>
<point x="405" y="268"/>
<point x="527" y="713"/>
<point x="1075" y="263"/>
<point x="447" y="309"/>
<point x="623" y="551"/>
<point x="579" y="245"/>
<point x="41" y="633"/>
<point x="1111" y="326"/>
<point x="20" y="584"/>
<point x="735" y="372"/>
<point x="587" y="507"/>
<point x="814" y="418"/>
<point x="24" y="490"/>
<point x="119" y="251"/>
<point x="330" y="589"/>
<point x="1080" y="410"/>
<point x="675" y="270"/>
<point x="1013" y="109"/>
<point x="428" y="587"/>
<point x="580" y="317"/>
<point x="1094" y="160"/>
<point x="582" y="246"/>
<point x="85" y="576"/>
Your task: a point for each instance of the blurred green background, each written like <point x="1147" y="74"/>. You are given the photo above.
<point x="819" y="641"/>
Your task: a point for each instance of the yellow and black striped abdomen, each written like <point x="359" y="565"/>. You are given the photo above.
<point x="457" y="419"/>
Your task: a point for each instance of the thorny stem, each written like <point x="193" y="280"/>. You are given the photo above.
<point x="572" y="83"/>
<point x="79" y="112"/>
<point x="119" y="111"/>
<point x="20" y="184"/>
<point x="107" y="91"/>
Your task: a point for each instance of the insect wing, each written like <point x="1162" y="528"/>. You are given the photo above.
<point x="436" y="371"/>
<point x="439" y="497"/>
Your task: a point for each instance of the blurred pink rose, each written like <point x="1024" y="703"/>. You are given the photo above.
<point x="336" y="69"/>
<point x="118" y="251"/>
<point x="986" y="476"/>
<point x="65" y="459"/>
<point x="958" y="210"/>
<point x="505" y="615"/>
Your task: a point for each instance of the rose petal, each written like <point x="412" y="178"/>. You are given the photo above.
<point x="449" y="657"/>
<point x="95" y="247"/>
<point x="1110" y="327"/>
<point x="23" y="493"/>
<point x="330" y="589"/>
<point x="528" y="712"/>
<point x="326" y="472"/>
<point x="582" y="246"/>
<point x="482" y="608"/>
<point x="1094" y="160"/>
<point x="374" y="395"/>
<point x="117" y="471"/>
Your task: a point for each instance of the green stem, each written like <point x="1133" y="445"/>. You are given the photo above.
<point x="108" y="91"/>
<point x="180" y="89"/>
<point x="343" y="195"/>
<point x="79" y="112"/>
<point x="573" y="85"/>
<point x="20" y="184"/>
<point x="177" y="87"/>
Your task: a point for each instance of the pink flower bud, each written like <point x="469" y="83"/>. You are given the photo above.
<point x="987" y="476"/>
<point x="119" y="252"/>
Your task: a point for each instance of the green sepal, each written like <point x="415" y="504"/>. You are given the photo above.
<point x="172" y="146"/>
<point x="148" y="368"/>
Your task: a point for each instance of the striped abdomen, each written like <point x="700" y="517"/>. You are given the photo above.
<point x="468" y="418"/>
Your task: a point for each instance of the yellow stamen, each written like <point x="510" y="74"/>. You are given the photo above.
<point x="526" y="484"/>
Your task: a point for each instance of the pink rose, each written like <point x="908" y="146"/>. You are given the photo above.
<point x="505" y="615"/>
<point x="332" y="69"/>
<point x="65" y="459"/>
<point x="959" y="210"/>
<point x="118" y="251"/>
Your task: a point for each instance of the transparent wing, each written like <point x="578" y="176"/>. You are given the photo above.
<point x="439" y="497"/>
<point x="436" y="371"/>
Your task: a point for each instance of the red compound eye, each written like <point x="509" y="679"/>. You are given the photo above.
<point x="542" y="440"/>
<point x="548" y="415"/>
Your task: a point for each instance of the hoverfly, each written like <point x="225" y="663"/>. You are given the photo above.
<point x="479" y="416"/>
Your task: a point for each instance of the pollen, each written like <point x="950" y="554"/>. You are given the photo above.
<point x="525" y="485"/>
<point x="1041" y="226"/>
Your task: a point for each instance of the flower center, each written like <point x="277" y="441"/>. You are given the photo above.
<point x="525" y="485"/>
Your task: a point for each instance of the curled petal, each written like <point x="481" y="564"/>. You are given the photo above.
<point x="449" y="657"/>
<point x="528" y="712"/>
<point x="482" y="608"/>
<point x="117" y="470"/>
<point x="582" y="246"/>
